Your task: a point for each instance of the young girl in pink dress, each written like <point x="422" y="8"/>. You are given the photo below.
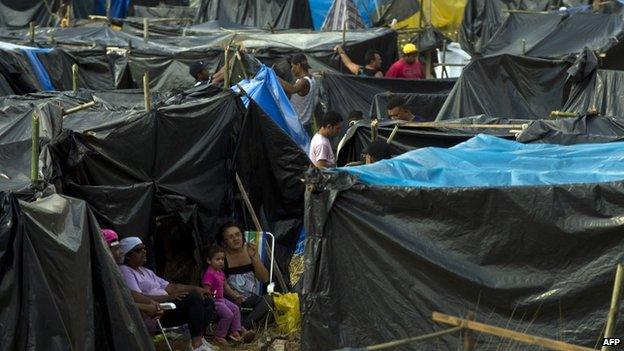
<point x="228" y="312"/>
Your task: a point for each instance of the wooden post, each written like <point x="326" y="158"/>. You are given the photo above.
<point x="226" y="77"/>
<point x="344" y="33"/>
<point x="78" y="108"/>
<point x="507" y="334"/>
<point x="276" y="270"/>
<point x="468" y="339"/>
<point x="34" y="159"/>
<point x="394" y="131"/>
<point x="523" y="47"/>
<point x="146" y="92"/>
<point x="374" y="125"/>
<point x="397" y="343"/>
<point x="615" y="304"/>
<point x="75" y="77"/>
<point x="108" y="8"/>
<point x="31" y="32"/>
<point x="146" y="29"/>
<point x="444" y="72"/>
<point x="420" y="19"/>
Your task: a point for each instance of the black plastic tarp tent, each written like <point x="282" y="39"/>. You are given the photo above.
<point x="568" y="131"/>
<point x="553" y="35"/>
<point x="482" y="18"/>
<point x="601" y="91"/>
<point x="358" y="136"/>
<point x="59" y="286"/>
<point x="178" y="162"/>
<point x="344" y="92"/>
<point x="380" y="259"/>
<point x="279" y="14"/>
<point x="424" y="106"/>
<point x="508" y="86"/>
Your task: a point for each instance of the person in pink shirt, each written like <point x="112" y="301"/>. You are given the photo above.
<point x="228" y="312"/>
<point x="408" y="66"/>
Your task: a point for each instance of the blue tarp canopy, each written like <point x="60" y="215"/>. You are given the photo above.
<point x="488" y="161"/>
<point x="266" y="91"/>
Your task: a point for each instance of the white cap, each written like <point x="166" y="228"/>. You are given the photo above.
<point x="129" y="243"/>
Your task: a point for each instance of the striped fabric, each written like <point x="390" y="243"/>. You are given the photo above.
<point x="343" y="11"/>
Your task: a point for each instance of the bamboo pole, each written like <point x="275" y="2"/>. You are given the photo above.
<point x="147" y="96"/>
<point x="461" y="126"/>
<point x="394" y="131"/>
<point x="555" y="114"/>
<point x="344" y="33"/>
<point x="615" y="304"/>
<point x="242" y="65"/>
<point x="34" y="155"/>
<point x="276" y="270"/>
<point x="146" y="30"/>
<point x="108" y="9"/>
<point x="523" y="47"/>
<point x="444" y="72"/>
<point x="75" y="78"/>
<point x="31" y="32"/>
<point x="374" y="126"/>
<point x="397" y="343"/>
<point x="226" y="77"/>
<point x="507" y="334"/>
<point x="78" y="108"/>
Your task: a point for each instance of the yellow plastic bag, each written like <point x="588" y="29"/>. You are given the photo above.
<point x="287" y="313"/>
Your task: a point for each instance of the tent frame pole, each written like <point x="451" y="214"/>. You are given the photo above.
<point x="615" y="304"/>
<point x="34" y="155"/>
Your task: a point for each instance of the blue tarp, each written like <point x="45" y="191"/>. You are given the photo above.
<point x="488" y="161"/>
<point x="38" y="69"/>
<point x="119" y="8"/>
<point x="320" y="8"/>
<point x="267" y="92"/>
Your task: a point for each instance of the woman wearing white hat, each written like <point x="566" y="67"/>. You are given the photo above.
<point x="194" y="305"/>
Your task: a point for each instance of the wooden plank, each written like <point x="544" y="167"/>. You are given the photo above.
<point x="507" y="334"/>
<point x="460" y="125"/>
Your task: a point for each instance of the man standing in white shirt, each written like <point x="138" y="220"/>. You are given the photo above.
<point x="304" y="92"/>
<point x="321" y="152"/>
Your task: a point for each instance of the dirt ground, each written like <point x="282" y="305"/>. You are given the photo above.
<point x="270" y="340"/>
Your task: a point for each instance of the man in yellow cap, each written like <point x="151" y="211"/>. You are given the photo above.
<point x="408" y="66"/>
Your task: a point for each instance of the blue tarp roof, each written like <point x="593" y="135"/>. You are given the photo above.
<point x="488" y="161"/>
<point x="266" y="91"/>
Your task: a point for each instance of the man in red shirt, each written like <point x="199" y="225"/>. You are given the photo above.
<point x="408" y="66"/>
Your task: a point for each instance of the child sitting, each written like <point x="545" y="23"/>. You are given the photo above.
<point x="228" y="312"/>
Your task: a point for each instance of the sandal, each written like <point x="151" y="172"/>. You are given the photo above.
<point x="220" y="341"/>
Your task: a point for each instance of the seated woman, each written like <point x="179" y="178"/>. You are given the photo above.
<point x="194" y="305"/>
<point x="245" y="274"/>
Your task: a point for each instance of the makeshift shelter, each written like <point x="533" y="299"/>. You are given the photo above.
<point x="482" y="18"/>
<point x="408" y="138"/>
<point x="531" y="231"/>
<point x="444" y="15"/>
<point x="508" y="86"/>
<point x="424" y="106"/>
<point x="278" y="14"/>
<point x="344" y="92"/>
<point x="569" y="131"/>
<point x="138" y="170"/>
<point x="51" y="249"/>
<point x="555" y="36"/>
<point x="601" y="92"/>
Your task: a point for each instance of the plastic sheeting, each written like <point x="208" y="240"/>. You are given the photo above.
<point x="425" y="107"/>
<point x="320" y="8"/>
<point x="358" y="136"/>
<point x="536" y="259"/>
<point x="445" y="15"/>
<point x="507" y="86"/>
<point x="554" y="35"/>
<point x="601" y="91"/>
<point x="344" y="93"/>
<point x="179" y="161"/>
<point x="279" y="14"/>
<point x="51" y="251"/>
<point x="569" y="131"/>
<point x="486" y="161"/>
<point x="482" y="18"/>
<point x="266" y="91"/>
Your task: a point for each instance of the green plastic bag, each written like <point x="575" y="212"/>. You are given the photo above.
<point x="287" y="313"/>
